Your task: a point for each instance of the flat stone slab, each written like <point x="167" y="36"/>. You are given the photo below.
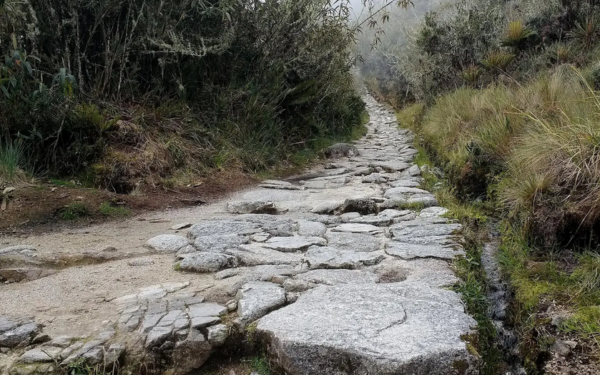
<point x="207" y="262"/>
<point x="219" y="242"/>
<point x="293" y="244"/>
<point x="220" y="227"/>
<point x="391" y="166"/>
<point x="170" y="243"/>
<point x="358" y="242"/>
<point x="383" y="329"/>
<point x="423" y="229"/>
<point x="256" y="299"/>
<point x="357" y="228"/>
<point x="311" y="228"/>
<point x="405" y="193"/>
<point x="335" y="277"/>
<point x="332" y="258"/>
<point x="255" y="255"/>
<point x="412" y="251"/>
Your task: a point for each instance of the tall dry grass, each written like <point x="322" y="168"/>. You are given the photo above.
<point x="537" y="146"/>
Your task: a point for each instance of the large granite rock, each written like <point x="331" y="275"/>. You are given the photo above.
<point x="384" y="329"/>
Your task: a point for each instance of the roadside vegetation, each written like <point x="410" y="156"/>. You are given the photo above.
<point x="504" y="98"/>
<point x="137" y="93"/>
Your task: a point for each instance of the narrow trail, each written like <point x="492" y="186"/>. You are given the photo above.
<point x="335" y="272"/>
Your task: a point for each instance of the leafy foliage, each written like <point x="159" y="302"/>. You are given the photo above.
<point x="124" y="90"/>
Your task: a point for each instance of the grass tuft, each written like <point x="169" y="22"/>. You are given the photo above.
<point x="107" y="209"/>
<point x="74" y="211"/>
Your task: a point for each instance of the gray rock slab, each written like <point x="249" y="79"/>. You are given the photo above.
<point x="378" y="221"/>
<point x="357" y="228"/>
<point x="207" y="262"/>
<point x="251" y="207"/>
<point x="40" y="355"/>
<point x="406" y="183"/>
<point x="219" y="227"/>
<point x="332" y="258"/>
<point x="412" y="251"/>
<point x="257" y="299"/>
<point x="23" y="333"/>
<point x="383" y="329"/>
<point x="375" y="178"/>
<point x="426" y="201"/>
<point x="206" y="309"/>
<point x="293" y="244"/>
<point x="433" y="212"/>
<point x="403" y="192"/>
<point x="423" y="229"/>
<point x="392" y="214"/>
<point x="7" y="324"/>
<point x="311" y="228"/>
<point x="331" y="183"/>
<point x="327" y="208"/>
<point x="358" y="242"/>
<point x="391" y="166"/>
<point x="170" y="243"/>
<point x="335" y="277"/>
<point x="255" y="255"/>
<point x="219" y="242"/>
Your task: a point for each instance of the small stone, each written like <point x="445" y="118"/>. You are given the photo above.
<point x="231" y="305"/>
<point x="558" y="320"/>
<point x="561" y="348"/>
<point x="414" y="171"/>
<point x="217" y="335"/>
<point x="339" y="150"/>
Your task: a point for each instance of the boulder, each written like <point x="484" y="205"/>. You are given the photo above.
<point x="383" y="329"/>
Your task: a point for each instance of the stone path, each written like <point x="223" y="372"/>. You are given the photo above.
<point x="334" y="272"/>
